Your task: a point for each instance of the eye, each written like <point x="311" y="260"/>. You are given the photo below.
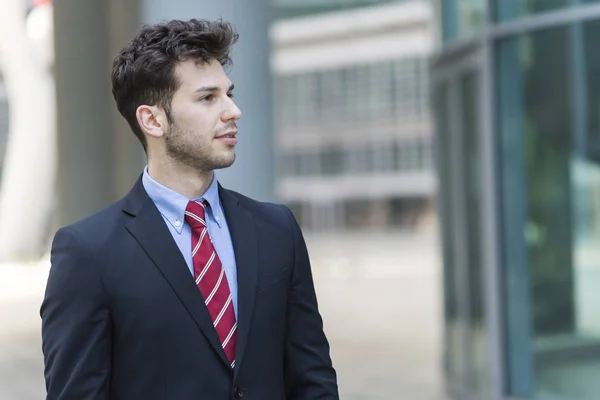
<point x="231" y="95"/>
<point x="209" y="98"/>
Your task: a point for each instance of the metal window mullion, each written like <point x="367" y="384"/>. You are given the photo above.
<point x="562" y="16"/>
<point x="490" y="227"/>
<point x="459" y="230"/>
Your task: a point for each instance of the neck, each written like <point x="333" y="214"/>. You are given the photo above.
<point x="183" y="179"/>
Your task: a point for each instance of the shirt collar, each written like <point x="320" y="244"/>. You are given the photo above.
<point x="172" y="204"/>
<point x="212" y="196"/>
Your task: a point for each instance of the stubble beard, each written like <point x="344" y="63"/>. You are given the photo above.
<point x="183" y="148"/>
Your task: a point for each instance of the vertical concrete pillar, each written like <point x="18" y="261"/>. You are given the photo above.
<point x="129" y="158"/>
<point x="98" y="158"/>
<point x="85" y="146"/>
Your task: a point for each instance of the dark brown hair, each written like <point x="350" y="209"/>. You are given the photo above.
<point x="144" y="70"/>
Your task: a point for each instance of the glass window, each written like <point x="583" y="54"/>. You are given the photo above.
<point x="382" y="88"/>
<point x="421" y="89"/>
<point x="351" y="93"/>
<point x="356" y="160"/>
<point x="404" y="88"/>
<point x="333" y="102"/>
<point x="509" y="9"/>
<point x="341" y="89"/>
<point x="331" y="161"/>
<point x="471" y="169"/>
<point x="285" y="106"/>
<point x="362" y="101"/>
<point x="296" y="8"/>
<point x="308" y="163"/>
<point x="426" y="150"/>
<point x="307" y="96"/>
<point x="461" y="18"/>
<point x="549" y="88"/>
<point x="372" y="82"/>
<point x="453" y="343"/>
<point x="383" y="157"/>
<point x="409" y="155"/>
<point x="410" y="87"/>
<point x="400" y="155"/>
<point x="287" y="165"/>
<point x="591" y="83"/>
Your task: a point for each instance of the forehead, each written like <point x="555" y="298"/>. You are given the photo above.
<point x="193" y="75"/>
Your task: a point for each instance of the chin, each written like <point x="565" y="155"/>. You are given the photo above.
<point x="224" y="162"/>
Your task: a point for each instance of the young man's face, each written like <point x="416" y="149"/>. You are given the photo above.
<point x="203" y="134"/>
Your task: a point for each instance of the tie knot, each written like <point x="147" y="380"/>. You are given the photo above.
<point x="194" y="214"/>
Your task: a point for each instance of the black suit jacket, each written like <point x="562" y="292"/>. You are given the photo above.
<point x="122" y="318"/>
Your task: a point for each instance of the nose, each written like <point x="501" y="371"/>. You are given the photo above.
<point x="232" y="112"/>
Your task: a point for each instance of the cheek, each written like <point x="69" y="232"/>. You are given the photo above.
<point x="197" y="120"/>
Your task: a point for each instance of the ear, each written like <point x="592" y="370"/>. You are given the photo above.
<point x="152" y="120"/>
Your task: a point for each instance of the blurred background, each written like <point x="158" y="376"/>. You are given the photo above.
<point x="441" y="156"/>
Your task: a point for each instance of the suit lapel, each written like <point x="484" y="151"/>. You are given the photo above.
<point x="243" y="235"/>
<point x="151" y="232"/>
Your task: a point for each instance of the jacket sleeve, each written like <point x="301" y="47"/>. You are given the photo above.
<point x="76" y="324"/>
<point x="308" y="368"/>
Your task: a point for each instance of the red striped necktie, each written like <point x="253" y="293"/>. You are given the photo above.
<point x="211" y="279"/>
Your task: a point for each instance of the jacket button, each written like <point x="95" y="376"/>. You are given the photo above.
<point x="238" y="392"/>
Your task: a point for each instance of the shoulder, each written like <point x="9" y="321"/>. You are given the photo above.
<point x="97" y="229"/>
<point x="273" y="214"/>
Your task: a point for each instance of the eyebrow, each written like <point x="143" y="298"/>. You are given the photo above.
<point x="213" y="88"/>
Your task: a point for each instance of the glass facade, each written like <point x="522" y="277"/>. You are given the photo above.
<point x="396" y="89"/>
<point x="521" y="231"/>
<point x="410" y="155"/>
<point x="460" y="162"/>
<point x="512" y="9"/>
<point x="452" y="339"/>
<point x="460" y="19"/>
<point x="376" y="117"/>
<point x="352" y="119"/>
<point x="471" y="168"/>
<point x="295" y="8"/>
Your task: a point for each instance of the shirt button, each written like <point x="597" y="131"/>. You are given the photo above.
<point x="178" y="223"/>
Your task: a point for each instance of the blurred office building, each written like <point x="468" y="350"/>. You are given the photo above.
<point x="517" y="99"/>
<point x="353" y="131"/>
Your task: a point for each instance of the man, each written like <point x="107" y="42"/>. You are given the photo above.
<point x="183" y="290"/>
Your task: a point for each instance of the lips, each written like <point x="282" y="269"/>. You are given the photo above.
<point x="228" y="135"/>
<point x="228" y="138"/>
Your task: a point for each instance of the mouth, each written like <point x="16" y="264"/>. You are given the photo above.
<point x="228" y="138"/>
<point x="228" y="135"/>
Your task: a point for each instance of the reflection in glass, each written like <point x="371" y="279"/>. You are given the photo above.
<point x="510" y="9"/>
<point x="297" y="8"/>
<point x="461" y="18"/>
<point x="551" y="211"/>
<point x="453" y="359"/>
<point x="472" y="166"/>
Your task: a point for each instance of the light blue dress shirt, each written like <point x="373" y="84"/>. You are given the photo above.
<point x="172" y="207"/>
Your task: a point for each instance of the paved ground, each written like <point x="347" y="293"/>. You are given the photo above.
<point x="379" y="296"/>
<point x="380" y="299"/>
<point x="21" y="370"/>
